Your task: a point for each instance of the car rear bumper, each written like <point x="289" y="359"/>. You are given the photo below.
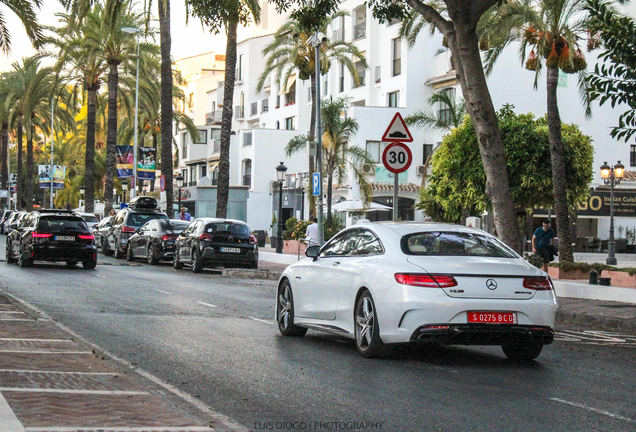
<point x="56" y="253"/>
<point x="483" y="334"/>
<point x="209" y="255"/>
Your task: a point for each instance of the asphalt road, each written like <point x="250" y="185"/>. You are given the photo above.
<point x="216" y="339"/>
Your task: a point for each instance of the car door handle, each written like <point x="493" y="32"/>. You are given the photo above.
<point x="335" y="263"/>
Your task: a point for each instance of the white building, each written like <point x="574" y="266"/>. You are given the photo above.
<point x="398" y="80"/>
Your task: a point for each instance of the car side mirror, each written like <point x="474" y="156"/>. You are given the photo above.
<point x="312" y="252"/>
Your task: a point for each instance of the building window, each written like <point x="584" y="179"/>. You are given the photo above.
<point x="341" y="78"/>
<point x="204" y="171"/>
<point x="184" y="145"/>
<point x="337" y="27"/>
<point x="394" y="99"/>
<point x="396" y="56"/>
<point x="239" y="68"/>
<point x="184" y="173"/>
<point x="444" y="114"/>
<point x="632" y="156"/>
<point x="277" y="124"/>
<point x="193" y="173"/>
<point x="360" y="22"/>
<point x="247" y="172"/>
<point x="190" y="100"/>
<point x="264" y="105"/>
<point x="360" y="69"/>
<point x="289" y="123"/>
<point x="373" y="148"/>
<point x="247" y="139"/>
<point x="428" y="150"/>
<point x="378" y="74"/>
<point x="290" y="96"/>
<point x="201" y="138"/>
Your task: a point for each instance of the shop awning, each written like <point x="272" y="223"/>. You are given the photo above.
<point x="290" y="82"/>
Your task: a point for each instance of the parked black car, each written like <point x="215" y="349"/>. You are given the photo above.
<point x="208" y="241"/>
<point x="13" y="221"/>
<point x="155" y="240"/>
<point x="125" y="224"/>
<point x="100" y="231"/>
<point x="3" y="218"/>
<point x="52" y="237"/>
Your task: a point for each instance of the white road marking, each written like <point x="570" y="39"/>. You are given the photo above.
<point x="8" y="421"/>
<point x="592" y="409"/>
<point x="16" y="319"/>
<point x="90" y="392"/>
<point x="121" y="429"/>
<point x="58" y="372"/>
<point x="36" y="340"/>
<point x="10" y="312"/>
<point x="261" y="320"/>
<point x="207" y="304"/>
<point x="162" y="292"/>
<point x="44" y="352"/>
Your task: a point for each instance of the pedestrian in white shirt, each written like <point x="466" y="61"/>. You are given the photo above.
<point x="311" y="235"/>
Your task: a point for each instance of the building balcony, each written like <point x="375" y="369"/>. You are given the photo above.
<point x="213" y="117"/>
<point x="360" y="31"/>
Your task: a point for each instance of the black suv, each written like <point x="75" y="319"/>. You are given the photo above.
<point x="52" y="237"/>
<point x="4" y="215"/>
<point x="208" y="241"/>
<point x="125" y="224"/>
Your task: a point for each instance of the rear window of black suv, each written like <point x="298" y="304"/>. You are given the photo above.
<point x="61" y="223"/>
<point x="139" y="219"/>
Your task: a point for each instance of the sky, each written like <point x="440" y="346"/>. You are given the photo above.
<point x="187" y="40"/>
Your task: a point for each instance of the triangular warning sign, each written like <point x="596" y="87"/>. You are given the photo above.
<point x="397" y="130"/>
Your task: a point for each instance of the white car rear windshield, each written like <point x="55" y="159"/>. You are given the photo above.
<point x="454" y="244"/>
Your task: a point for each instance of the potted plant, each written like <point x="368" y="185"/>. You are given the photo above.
<point x="272" y="227"/>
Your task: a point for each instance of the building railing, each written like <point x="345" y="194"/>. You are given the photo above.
<point x="337" y="35"/>
<point x="239" y="112"/>
<point x="360" y="31"/>
<point x="213" y="117"/>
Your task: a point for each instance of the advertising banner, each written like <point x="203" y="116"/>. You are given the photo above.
<point x="146" y="163"/>
<point x="44" y="176"/>
<point x="124" y="161"/>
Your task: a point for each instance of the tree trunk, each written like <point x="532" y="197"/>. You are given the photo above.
<point x="466" y="60"/>
<point x="4" y="151"/>
<point x="18" y="193"/>
<point x="28" y="190"/>
<point x="166" y="102"/>
<point x="111" y="136"/>
<point x="559" y="181"/>
<point x="89" y="161"/>
<point x="310" y="138"/>
<point x="223" y="188"/>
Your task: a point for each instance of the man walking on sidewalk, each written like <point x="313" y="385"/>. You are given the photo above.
<point x="311" y="235"/>
<point x="542" y="243"/>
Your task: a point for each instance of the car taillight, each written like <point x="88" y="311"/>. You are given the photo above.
<point x="538" y="283"/>
<point x="253" y="240"/>
<point x="40" y="235"/>
<point x="427" y="281"/>
<point x="86" y="236"/>
<point x="205" y="237"/>
<point x="127" y="229"/>
<point x="168" y="237"/>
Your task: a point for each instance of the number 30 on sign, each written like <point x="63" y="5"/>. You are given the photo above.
<point x="397" y="157"/>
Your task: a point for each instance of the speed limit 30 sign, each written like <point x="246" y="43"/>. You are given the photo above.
<point x="397" y="157"/>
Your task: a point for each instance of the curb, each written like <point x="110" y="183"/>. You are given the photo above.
<point x="597" y="321"/>
<point x="250" y="274"/>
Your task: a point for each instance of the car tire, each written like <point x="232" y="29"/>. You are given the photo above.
<point x="178" y="265"/>
<point x="522" y="351"/>
<point x="89" y="264"/>
<point x="152" y="260"/>
<point x="9" y="255"/>
<point x="118" y="253"/>
<point x="71" y="264"/>
<point x="105" y="250"/>
<point x="129" y="254"/>
<point x="197" y="262"/>
<point x="25" y="261"/>
<point x="367" y="329"/>
<point x="285" y="312"/>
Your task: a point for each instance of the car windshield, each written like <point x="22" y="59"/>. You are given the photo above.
<point x="60" y="224"/>
<point x="436" y="243"/>
<point x="90" y="218"/>
<point x="139" y="219"/>
<point x="231" y="228"/>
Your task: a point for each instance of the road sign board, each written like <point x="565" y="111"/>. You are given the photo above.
<point x="315" y="184"/>
<point x="397" y="157"/>
<point x="397" y="130"/>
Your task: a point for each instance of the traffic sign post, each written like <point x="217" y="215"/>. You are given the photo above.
<point x="397" y="158"/>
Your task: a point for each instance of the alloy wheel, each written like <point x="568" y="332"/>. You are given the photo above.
<point x="285" y="312"/>
<point x="284" y="307"/>
<point x="365" y="320"/>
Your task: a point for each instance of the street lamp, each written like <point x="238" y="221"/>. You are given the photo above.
<point x="124" y="188"/>
<point x="132" y="31"/>
<point x="179" y="179"/>
<point x="82" y="190"/>
<point x="280" y="173"/>
<point x="612" y="176"/>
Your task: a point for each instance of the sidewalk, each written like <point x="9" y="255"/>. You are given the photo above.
<point x="51" y="381"/>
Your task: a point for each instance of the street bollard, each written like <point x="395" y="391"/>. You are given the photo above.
<point x="593" y="277"/>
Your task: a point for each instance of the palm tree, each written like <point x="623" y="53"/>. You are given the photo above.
<point x="553" y="30"/>
<point x="337" y="154"/>
<point x="290" y="52"/>
<point x="217" y="14"/>
<point x="25" y="10"/>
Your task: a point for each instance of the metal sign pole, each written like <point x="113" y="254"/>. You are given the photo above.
<point x="396" y="184"/>
<point x="320" y="216"/>
<point x="51" y="171"/>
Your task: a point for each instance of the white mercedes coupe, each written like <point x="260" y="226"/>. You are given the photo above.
<point x="389" y="283"/>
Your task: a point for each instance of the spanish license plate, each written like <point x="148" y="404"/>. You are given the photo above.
<point x="492" y="317"/>
<point x="65" y="238"/>
<point x="230" y="250"/>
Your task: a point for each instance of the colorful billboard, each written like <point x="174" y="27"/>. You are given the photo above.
<point x="146" y="163"/>
<point x="124" y="161"/>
